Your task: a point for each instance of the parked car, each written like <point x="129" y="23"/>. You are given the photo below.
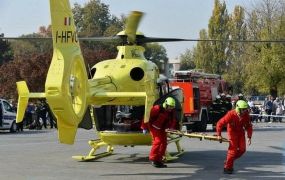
<point x="7" y="116"/>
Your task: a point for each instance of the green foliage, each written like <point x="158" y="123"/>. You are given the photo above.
<point x="23" y="48"/>
<point x="92" y="19"/>
<point x="218" y="29"/>
<point x="251" y="68"/>
<point x="202" y="55"/>
<point x="234" y="73"/>
<point x="6" y="53"/>
<point x="95" y="20"/>
<point x="267" y="59"/>
<point x="187" y="60"/>
<point x="157" y="54"/>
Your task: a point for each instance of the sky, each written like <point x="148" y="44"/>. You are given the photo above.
<point x="162" y="18"/>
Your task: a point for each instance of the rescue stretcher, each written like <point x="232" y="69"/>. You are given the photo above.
<point x="201" y="136"/>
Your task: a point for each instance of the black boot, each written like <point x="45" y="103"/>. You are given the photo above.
<point x="158" y="164"/>
<point x="228" y="171"/>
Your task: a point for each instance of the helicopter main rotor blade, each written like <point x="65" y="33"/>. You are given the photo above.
<point x="26" y="38"/>
<point x="95" y="39"/>
<point x="101" y="39"/>
<point x="143" y="39"/>
<point x="132" y="25"/>
<point x="154" y="39"/>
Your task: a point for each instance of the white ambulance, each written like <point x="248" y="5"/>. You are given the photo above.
<point x="7" y="116"/>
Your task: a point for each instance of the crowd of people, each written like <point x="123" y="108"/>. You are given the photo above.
<point x="274" y="109"/>
<point x="37" y="116"/>
<point x="270" y="111"/>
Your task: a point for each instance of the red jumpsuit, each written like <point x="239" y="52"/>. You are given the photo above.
<point x="236" y="126"/>
<point x="160" y="119"/>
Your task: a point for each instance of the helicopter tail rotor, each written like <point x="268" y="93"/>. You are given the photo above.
<point x="66" y="84"/>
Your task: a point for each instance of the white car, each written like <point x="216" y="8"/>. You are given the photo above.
<point x="7" y="116"/>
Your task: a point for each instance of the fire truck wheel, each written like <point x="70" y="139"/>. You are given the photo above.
<point x="189" y="128"/>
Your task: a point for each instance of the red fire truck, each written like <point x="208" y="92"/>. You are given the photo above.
<point x="200" y="90"/>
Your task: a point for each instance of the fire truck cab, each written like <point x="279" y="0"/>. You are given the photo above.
<point x="200" y="90"/>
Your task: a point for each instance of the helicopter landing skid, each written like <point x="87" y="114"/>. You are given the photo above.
<point x="173" y="156"/>
<point x="95" y="144"/>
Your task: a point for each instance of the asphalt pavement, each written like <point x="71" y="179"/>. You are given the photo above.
<point x="37" y="154"/>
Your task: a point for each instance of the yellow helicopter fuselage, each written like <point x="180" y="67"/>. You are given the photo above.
<point x="130" y="74"/>
<point x="124" y="81"/>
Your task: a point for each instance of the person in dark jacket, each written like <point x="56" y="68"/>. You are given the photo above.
<point x="52" y="119"/>
<point x="268" y="106"/>
<point x="1" y="114"/>
<point x="43" y="112"/>
<point x="237" y="121"/>
<point x="162" y="117"/>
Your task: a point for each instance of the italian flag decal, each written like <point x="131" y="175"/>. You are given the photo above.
<point x="67" y="21"/>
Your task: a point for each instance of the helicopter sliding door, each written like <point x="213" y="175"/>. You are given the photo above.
<point x="103" y="117"/>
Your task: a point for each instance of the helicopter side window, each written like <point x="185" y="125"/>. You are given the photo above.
<point x="7" y="107"/>
<point x="163" y="88"/>
<point x="92" y="73"/>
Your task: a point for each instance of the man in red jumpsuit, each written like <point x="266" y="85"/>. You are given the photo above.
<point x="237" y="121"/>
<point x="162" y="117"/>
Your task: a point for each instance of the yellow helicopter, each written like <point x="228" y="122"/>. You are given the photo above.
<point x="117" y="98"/>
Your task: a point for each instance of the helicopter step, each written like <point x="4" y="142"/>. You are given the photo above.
<point x="96" y="144"/>
<point x="201" y="136"/>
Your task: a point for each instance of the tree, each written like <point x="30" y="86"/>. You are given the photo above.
<point x="187" y="60"/>
<point x="236" y="51"/>
<point x="6" y="53"/>
<point x="268" y="58"/>
<point x="92" y="19"/>
<point x="202" y="54"/>
<point x="157" y="54"/>
<point x="218" y="29"/>
<point x="33" y="46"/>
<point x="95" y="20"/>
<point x="33" y="69"/>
